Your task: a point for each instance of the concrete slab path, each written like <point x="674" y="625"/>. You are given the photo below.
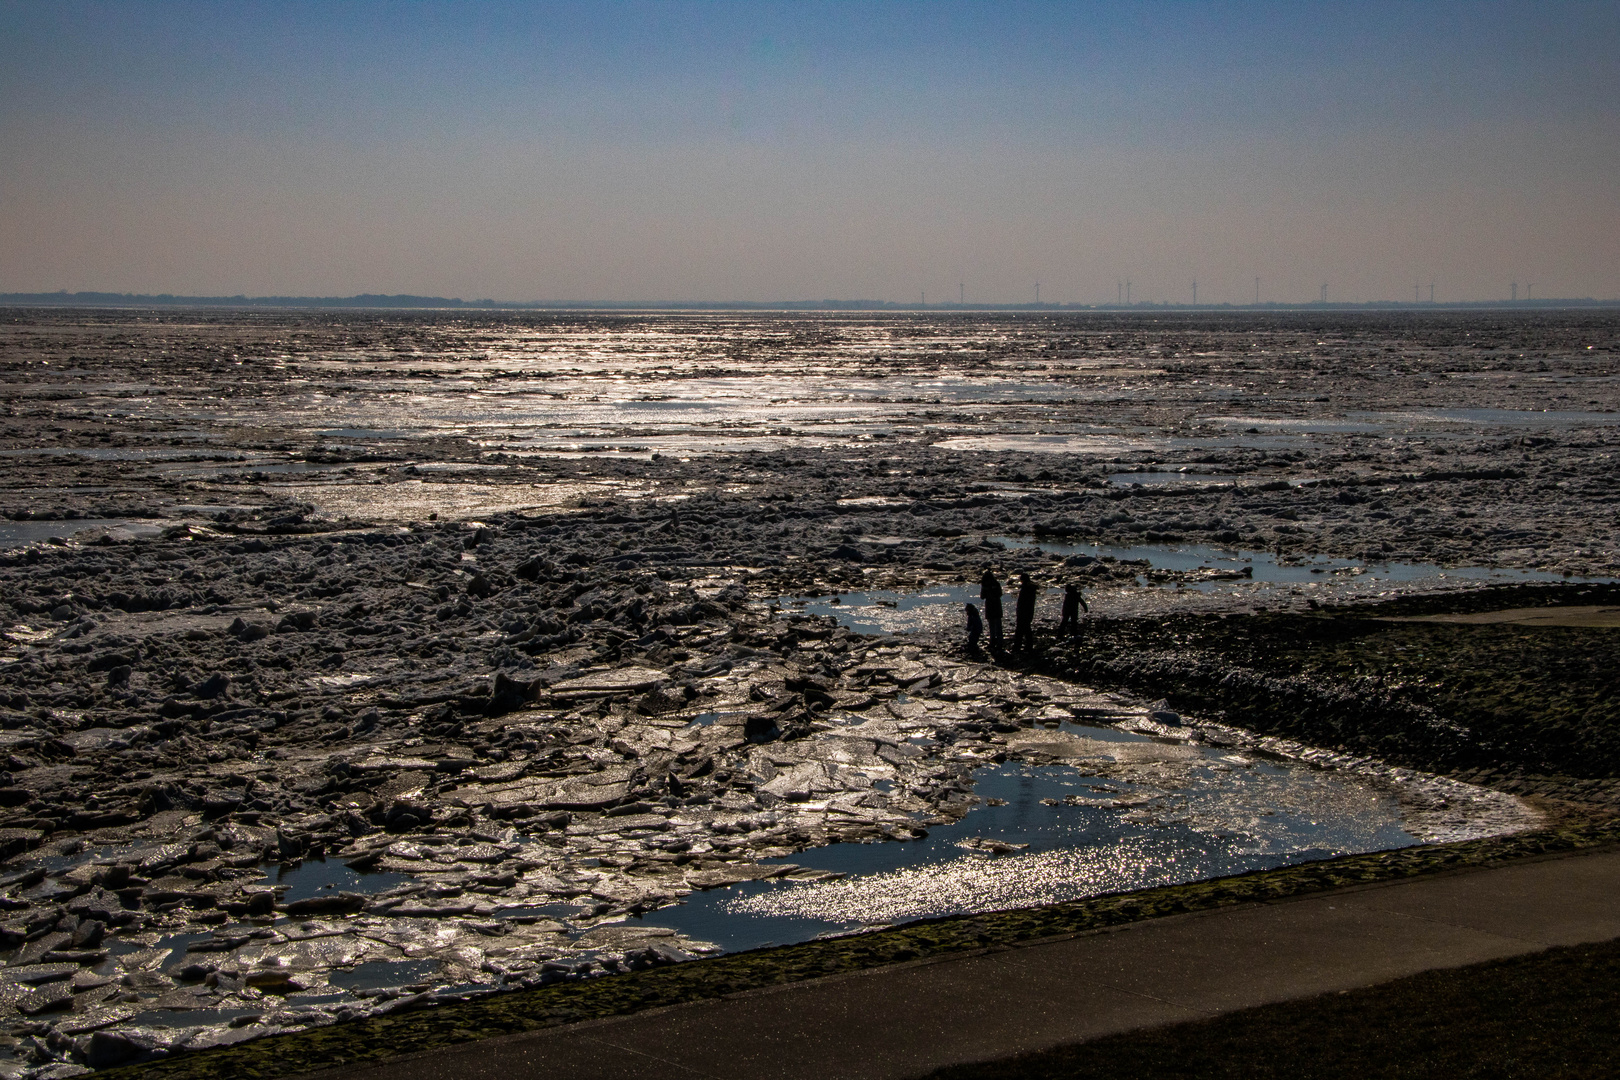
<point x="907" y="1020"/>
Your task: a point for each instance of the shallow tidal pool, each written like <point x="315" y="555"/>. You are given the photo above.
<point x="1096" y="810"/>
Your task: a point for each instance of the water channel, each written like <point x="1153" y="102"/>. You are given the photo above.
<point x="1255" y="575"/>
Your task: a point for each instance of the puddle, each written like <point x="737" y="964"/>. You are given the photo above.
<point x="166" y="1018"/>
<point x="211" y="509"/>
<point x="195" y="453"/>
<point x="270" y="468"/>
<point x="1198" y="479"/>
<point x="1053" y="444"/>
<point x="379" y="973"/>
<point x="1158" y="479"/>
<point x="313" y="877"/>
<point x="1262" y="432"/>
<point x="21" y="533"/>
<point x="1299" y="425"/>
<point x="414" y="500"/>
<point x="1165" y="812"/>
<point x="882" y="611"/>
<point x="1419" y="422"/>
<point x="364" y="433"/>
<point x="1499" y="417"/>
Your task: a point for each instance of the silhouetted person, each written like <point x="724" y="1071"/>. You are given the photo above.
<point x="1072" y="603"/>
<point x="1024" y="628"/>
<point x="975" y="628"/>
<point x="990" y="595"/>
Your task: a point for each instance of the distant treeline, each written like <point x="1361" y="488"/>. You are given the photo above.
<point x="364" y="300"/>
<point x="376" y="300"/>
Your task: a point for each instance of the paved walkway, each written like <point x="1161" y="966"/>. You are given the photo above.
<point x="904" y="1021"/>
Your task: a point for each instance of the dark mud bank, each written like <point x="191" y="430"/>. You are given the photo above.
<point x="1525" y="708"/>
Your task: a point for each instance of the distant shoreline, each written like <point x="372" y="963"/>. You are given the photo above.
<point x="367" y="301"/>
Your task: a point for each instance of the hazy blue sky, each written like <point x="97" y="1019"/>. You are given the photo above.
<point x="808" y="150"/>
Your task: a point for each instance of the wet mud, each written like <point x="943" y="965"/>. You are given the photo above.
<point x="358" y="662"/>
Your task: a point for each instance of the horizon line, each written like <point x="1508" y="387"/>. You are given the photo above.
<point x="398" y="301"/>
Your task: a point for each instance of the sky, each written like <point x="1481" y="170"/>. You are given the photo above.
<point x="801" y="151"/>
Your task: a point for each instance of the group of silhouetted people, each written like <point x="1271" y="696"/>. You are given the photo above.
<point x="1024" y="613"/>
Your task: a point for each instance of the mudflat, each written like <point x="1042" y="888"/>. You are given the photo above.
<point x="355" y="662"/>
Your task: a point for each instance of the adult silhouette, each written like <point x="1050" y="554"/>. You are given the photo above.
<point x="990" y="595"/>
<point x="1024" y="628"/>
